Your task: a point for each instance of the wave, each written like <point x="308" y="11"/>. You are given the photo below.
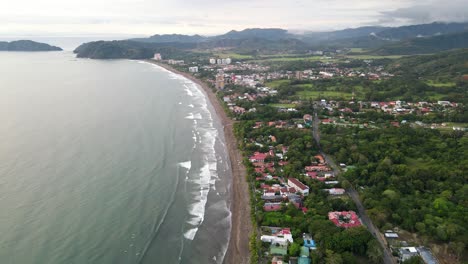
<point x="187" y="164"/>
<point x="202" y="180"/>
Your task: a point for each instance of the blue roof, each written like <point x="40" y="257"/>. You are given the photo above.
<point x="309" y="243"/>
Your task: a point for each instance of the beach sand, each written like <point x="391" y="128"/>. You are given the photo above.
<point x="238" y="248"/>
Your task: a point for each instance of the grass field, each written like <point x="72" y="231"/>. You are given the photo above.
<point x="357" y="50"/>
<point x="373" y="57"/>
<point x="277" y="83"/>
<point x="440" y="84"/>
<point x="287" y="59"/>
<point x="283" y="105"/>
<point x="304" y="95"/>
<point x="233" y="56"/>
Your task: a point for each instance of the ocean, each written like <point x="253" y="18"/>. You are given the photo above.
<point x="108" y="162"/>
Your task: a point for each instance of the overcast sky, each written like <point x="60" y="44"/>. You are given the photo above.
<point x="208" y="17"/>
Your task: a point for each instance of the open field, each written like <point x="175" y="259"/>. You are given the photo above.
<point x="283" y="105"/>
<point x="373" y="57"/>
<point x="277" y="83"/>
<point x="440" y="84"/>
<point x="357" y="50"/>
<point x="233" y="55"/>
<point x="288" y="59"/>
<point x="323" y="95"/>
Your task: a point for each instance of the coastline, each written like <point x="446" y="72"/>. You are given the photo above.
<point x="238" y="248"/>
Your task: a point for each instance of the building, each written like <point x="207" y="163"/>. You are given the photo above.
<point x="309" y="242"/>
<point x="299" y="186"/>
<point x="157" y="56"/>
<point x="344" y="219"/>
<point x="220" y="81"/>
<point x="212" y="61"/>
<point x="406" y="253"/>
<point x="281" y="237"/>
<point x="336" y="191"/>
<point x="175" y="62"/>
<point x="299" y="75"/>
<point x="308" y="119"/>
<point x="193" y="69"/>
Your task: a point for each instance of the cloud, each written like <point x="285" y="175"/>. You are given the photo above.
<point x="217" y="16"/>
<point x="438" y="10"/>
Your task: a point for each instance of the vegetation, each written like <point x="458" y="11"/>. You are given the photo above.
<point x="421" y="173"/>
<point x="26" y="45"/>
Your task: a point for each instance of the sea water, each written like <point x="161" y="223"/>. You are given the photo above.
<point x="108" y="162"/>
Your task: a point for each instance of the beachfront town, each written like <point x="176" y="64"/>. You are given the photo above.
<point x="327" y="172"/>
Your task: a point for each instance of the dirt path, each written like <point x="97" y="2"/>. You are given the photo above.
<point x="241" y="227"/>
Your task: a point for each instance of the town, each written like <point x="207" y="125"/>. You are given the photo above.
<point x="292" y="120"/>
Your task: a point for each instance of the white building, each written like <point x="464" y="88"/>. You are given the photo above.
<point x="193" y="69"/>
<point x="283" y="237"/>
<point x="157" y="56"/>
<point x="212" y="61"/>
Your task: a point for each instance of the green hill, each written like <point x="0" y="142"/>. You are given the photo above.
<point x="26" y="45"/>
<point x="425" y="45"/>
<point x="448" y="65"/>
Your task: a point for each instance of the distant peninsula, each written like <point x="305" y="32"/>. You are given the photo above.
<point x="26" y="45"/>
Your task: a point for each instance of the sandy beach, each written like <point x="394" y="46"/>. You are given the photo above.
<point x="238" y="249"/>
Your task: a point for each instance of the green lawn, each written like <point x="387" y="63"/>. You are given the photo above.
<point x="304" y="95"/>
<point x="283" y="105"/>
<point x="288" y="59"/>
<point x="233" y="55"/>
<point x="357" y="50"/>
<point x="277" y="83"/>
<point x="440" y="84"/>
<point x="372" y="57"/>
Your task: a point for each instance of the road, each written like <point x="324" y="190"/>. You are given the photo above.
<point x="387" y="254"/>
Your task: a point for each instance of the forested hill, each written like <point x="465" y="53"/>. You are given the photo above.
<point x="125" y="49"/>
<point x="425" y="45"/>
<point x="449" y="65"/>
<point x="26" y="45"/>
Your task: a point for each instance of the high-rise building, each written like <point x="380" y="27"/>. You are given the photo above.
<point x="212" y="61"/>
<point x="157" y="56"/>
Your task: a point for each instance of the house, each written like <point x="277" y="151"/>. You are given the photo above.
<point x="336" y="191"/>
<point x="281" y="236"/>
<point x="406" y="253"/>
<point x="277" y="260"/>
<point x="258" y="157"/>
<point x="345" y="219"/>
<point x="272" y="207"/>
<point x="157" y="56"/>
<point x="326" y="121"/>
<point x="299" y="186"/>
<point x="427" y="255"/>
<point x="309" y="242"/>
<point x="193" y="69"/>
<point x="307" y="119"/>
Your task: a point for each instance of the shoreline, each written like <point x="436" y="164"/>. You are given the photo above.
<point x="238" y="250"/>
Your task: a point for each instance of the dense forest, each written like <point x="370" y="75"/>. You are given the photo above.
<point x="411" y="178"/>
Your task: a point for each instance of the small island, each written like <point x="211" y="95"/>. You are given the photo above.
<point x="26" y="45"/>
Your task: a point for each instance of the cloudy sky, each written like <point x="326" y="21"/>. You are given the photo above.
<point x="208" y="17"/>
